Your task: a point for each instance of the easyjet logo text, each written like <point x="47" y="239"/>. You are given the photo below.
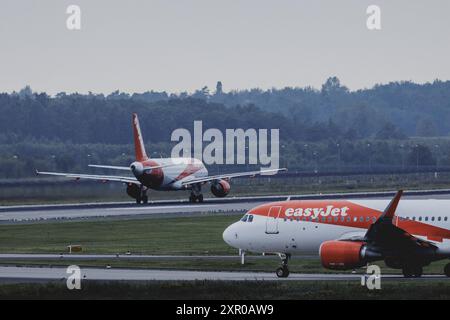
<point x="316" y="212"/>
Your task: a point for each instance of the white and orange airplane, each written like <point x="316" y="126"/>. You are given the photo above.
<point x="348" y="234"/>
<point x="166" y="174"/>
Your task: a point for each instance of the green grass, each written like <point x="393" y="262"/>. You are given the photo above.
<point x="229" y="290"/>
<point x="194" y="235"/>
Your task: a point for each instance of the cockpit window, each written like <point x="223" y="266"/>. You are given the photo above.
<point x="247" y="218"/>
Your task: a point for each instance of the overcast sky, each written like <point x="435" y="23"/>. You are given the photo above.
<point x="181" y="45"/>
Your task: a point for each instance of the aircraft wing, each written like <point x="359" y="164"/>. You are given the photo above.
<point x="230" y="175"/>
<point x="101" y="178"/>
<point x="109" y="167"/>
<point x="384" y="234"/>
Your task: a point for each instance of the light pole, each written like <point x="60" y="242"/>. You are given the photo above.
<point x="339" y="156"/>
<point x="306" y="152"/>
<point x="316" y="170"/>
<point x="437" y="156"/>
<point x="402" y="146"/>
<point x="417" y="157"/>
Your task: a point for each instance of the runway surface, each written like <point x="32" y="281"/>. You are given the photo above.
<point x="30" y="213"/>
<point x="109" y="257"/>
<point x="8" y="274"/>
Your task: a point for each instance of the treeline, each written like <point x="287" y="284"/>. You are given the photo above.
<point x="395" y="125"/>
<point x="23" y="158"/>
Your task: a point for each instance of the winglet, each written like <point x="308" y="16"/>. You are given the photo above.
<point x="389" y="212"/>
<point x="139" y="147"/>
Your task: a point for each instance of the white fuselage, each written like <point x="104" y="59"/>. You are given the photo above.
<point x="286" y="232"/>
<point x="172" y="173"/>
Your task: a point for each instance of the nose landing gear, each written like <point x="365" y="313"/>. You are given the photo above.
<point x="283" y="271"/>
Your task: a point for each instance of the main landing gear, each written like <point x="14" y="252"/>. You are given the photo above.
<point x="195" y="198"/>
<point x="196" y="194"/>
<point x="412" y="271"/>
<point x="283" y="271"/>
<point x="142" y="196"/>
<point x="447" y="270"/>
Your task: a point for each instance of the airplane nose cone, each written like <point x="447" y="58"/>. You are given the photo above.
<point x="230" y="236"/>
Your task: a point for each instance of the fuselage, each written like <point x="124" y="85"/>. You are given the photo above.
<point x="170" y="174"/>
<point x="300" y="227"/>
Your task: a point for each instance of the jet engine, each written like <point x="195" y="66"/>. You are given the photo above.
<point x="342" y="255"/>
<point x="220" y="188"/>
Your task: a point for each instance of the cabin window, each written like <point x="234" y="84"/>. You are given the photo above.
<point x="426" y="218"/>
<point x="420" y="218"/>
<point x="336" y="219"/>
<point x="439" y="218"/>
<point x="414" y="218"/>
<point x="374" y="219"/>
<point x="348" y="219"/>
<point x="432" y="218"/>
<point x="445" y="219"/>
<point x="355" y="219"/>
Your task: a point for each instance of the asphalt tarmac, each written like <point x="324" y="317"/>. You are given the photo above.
<point x="170" y="208"/>
<point x="30" y="274"/>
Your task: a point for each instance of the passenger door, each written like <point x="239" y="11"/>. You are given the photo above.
<point x="272" y="220"/>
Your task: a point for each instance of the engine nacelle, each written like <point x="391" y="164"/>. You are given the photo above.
<point x="220" y="188"/>
<point x="342" y="255"/>
<point x="133" y="190"/>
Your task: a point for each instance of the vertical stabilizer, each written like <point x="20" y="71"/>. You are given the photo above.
<point x="139" y="147"/>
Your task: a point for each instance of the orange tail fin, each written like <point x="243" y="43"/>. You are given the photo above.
<point x="139" y="147"/>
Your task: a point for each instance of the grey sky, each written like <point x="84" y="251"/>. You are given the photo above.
<point x="171" y="45"/>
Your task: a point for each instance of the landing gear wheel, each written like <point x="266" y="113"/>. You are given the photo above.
<point x="194" y="198"/>
<point x="418" y="271"/>
<point x="282" y="272"/>
<point x="412" y="271"/>
<point x="447" y="270"/>
<point x="142" y="195"/>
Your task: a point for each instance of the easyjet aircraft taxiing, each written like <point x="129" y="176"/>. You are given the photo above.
<point x="349" y="234"/>
<point x="164" y="174"/>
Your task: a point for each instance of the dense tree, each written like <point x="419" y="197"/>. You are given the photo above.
<point x="331" y="127"/>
